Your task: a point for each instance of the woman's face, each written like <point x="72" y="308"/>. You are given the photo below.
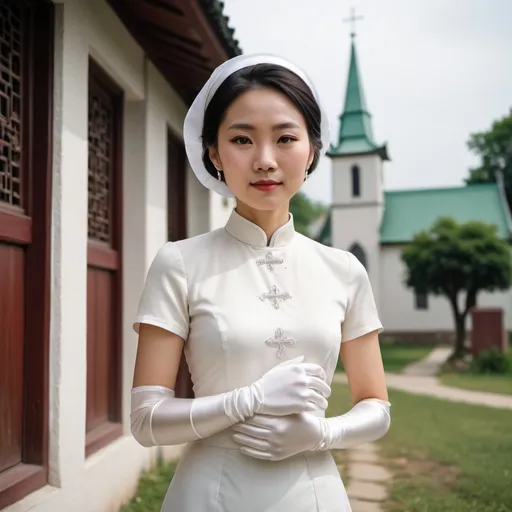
<point x="263" y="149"/>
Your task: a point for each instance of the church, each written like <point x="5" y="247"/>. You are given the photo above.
<point x="375" y="224"/>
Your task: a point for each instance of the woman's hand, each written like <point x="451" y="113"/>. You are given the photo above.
<point x="277" y="438"/>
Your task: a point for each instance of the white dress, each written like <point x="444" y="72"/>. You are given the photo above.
<point x="243" y="305"/>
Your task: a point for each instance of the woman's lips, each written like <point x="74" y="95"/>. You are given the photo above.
<point x="266" y="186"/>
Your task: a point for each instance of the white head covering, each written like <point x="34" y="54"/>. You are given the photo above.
<point x="194" y="119"/>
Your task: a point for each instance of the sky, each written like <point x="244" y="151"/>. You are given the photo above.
<point x="433" y="72"/>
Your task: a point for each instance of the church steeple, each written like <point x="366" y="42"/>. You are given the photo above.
<point x="356" y="134"/>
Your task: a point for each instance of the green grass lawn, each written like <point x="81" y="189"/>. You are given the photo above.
<point x="152" y="488"/>
<point x="396" y="356"/>
<point x="501" y="384"/>
<point x="446" y="457"/>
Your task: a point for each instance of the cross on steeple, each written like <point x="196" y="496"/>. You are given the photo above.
<point x="353" y="18"/>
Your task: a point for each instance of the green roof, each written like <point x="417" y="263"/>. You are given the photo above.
<point x="356" y="134"/>
<point x="407" y="212"/>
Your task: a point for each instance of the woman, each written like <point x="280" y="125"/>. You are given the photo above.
<point x="261" y="313"/>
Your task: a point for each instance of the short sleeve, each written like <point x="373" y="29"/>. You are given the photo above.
<point x="164" y="301"/>
<point x="361" y="316"/>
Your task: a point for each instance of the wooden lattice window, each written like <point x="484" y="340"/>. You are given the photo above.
<point x="102" y="113"/>
<point x="12" y="23"/>
<point x="104" y="261"/>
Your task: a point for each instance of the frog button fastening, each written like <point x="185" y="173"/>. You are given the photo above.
<point x="280" y="340"/>
<point x="270" y="261"/>
<point x="274" y="296"/>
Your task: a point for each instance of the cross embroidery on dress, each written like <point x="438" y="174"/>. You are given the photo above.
<point x="274" y="296"/>
<point x="270" y="261"/>
<point x="280" y="340"/>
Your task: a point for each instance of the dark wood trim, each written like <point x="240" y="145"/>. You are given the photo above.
<point x="102" y="436"/>
<point x="110" y="258"/>
<point x="102" y="257"/>
<point x="27" y="477"/>
<point x="39" y="251"/>
<point x="15" y="228"/>
<point x="19" y="481"/>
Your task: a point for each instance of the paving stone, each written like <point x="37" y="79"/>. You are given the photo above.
<point x="366" y="491"/>
<point x="368" y="472"/>
<point x="367" y="448"/>
<point x="358" y="456"/>
<point x="365" y="506"/>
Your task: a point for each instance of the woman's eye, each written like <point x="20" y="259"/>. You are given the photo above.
<point x="285" y="139"/>
<point x="241" y="140"/>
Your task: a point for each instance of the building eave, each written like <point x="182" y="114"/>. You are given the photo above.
<point x="381" y="151"/>
<point x="186" y="40"/>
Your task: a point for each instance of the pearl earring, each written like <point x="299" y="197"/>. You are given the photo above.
<point x="219" y="175"/>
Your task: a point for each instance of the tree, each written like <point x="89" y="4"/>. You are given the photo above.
<point x="495" y="149"/>
<point x="305" y="211"/>
<point x="458" y="261"/>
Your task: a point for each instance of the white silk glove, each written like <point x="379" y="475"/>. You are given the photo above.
<point x="158" y="418"/>
<point x="277" y="438"/>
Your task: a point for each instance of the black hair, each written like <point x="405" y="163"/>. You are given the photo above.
<point x="274" y="76"/>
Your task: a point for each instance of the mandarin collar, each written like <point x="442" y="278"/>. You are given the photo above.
<point x="250" y="233"/>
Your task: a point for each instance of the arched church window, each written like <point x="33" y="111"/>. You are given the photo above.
<point x="356" y="181"/>
<point x="359" y="253"/>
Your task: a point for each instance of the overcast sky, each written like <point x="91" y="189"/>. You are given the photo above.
<point x="433" y="72"/>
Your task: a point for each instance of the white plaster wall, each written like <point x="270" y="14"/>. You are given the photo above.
<point x="83" y="28"/>
<point x="397" y="305"/>
<point x="220" y="210"/>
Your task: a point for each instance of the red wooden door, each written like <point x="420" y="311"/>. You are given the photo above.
<point x="25" y="211"/>
<point x="177" y="229"/>
<point x="104" y="299"/>
<point x="176" y="189"/>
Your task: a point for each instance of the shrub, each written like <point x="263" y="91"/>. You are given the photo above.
<point x="492" y="361"/>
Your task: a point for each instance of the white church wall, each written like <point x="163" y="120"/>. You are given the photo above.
<point x="397" y="302"/>
<point x="371" y="179"/>
<point x="358" y="225"/>
<point x="357" y="219"/>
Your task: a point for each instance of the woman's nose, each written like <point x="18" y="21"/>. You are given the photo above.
<point x="265" y="159"/>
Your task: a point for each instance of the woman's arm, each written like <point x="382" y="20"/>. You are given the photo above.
<point x="363" y="366"/>
<point x="158" y="418"/>
<point x="158" y="357"/>
<point x="369" y="419"/>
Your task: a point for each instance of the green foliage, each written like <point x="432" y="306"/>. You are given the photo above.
<point x="152" y="488"/>
<point x="495" y="150"/>
<point x="492" y="361"/>
<point x="452" y="259"/>
<point x="305" y="211"/>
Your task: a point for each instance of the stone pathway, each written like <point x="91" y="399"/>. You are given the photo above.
<point x="367" y="484"/>
<point x="429" y="366"/>
<point x="367" y="479"/>
<point x="420" y="379"/>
